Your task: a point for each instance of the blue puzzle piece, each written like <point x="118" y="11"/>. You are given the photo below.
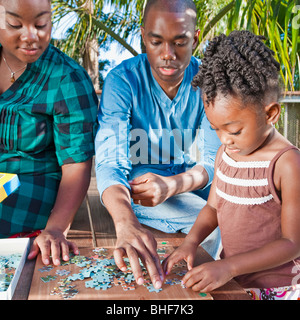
<point x="90" y="284"/>
<point x="103" y="286"/>
<point x="152" y="289"/>
<point x="76" y="276"/>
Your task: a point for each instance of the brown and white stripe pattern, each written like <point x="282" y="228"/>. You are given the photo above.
<point x="235" y="178"/>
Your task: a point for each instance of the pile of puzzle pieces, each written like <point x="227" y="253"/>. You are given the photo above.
<point x="100" y="273"/>
<point x="8" y="266"/>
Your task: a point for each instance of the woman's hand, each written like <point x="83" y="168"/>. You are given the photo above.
<point x="52" y="243"/>
<point x="72" y="190"/>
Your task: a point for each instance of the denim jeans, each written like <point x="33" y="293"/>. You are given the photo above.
<point x="177" y="214"/>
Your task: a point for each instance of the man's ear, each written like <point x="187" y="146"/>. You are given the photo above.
<point x="273" y="111"/>
<point x="196" y="39"/>
<point x="143" y="33"/>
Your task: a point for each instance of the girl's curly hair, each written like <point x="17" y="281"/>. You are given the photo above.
<point x="238" y="64"/>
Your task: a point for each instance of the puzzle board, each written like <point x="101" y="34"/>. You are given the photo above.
<point x="8" y="184"/>
<point x="13" y="253"/>
<point x="93" y="276"/>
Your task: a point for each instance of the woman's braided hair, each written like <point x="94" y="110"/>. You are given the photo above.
<point x="238" y="64"/>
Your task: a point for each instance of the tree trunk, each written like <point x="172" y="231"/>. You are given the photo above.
<point x="91" y="53"/>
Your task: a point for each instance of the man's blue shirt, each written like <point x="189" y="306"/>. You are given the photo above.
<point x="139" y="125"/>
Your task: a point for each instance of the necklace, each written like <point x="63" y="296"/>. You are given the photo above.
<point x="12" y="73"/>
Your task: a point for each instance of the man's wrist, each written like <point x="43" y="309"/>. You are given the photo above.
<point x="172" y="184"/>
<point x="185" y="182"/>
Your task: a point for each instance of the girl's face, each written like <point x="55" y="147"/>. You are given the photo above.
<point x="241" y="130"/>
<point x="27" y="30"/>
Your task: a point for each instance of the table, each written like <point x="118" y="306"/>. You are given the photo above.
<point x="104" y="235"/>
<point x="230" y="291"/>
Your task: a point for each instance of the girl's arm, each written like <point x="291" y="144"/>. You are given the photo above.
<point x="204" y="225"/>
<point x="72" y="190"/>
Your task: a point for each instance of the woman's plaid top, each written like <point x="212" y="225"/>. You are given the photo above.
<point x="47" y="119"/>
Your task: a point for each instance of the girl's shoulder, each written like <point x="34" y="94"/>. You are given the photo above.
<point x="288" y="158"/>
<point x="276" y="149"/>
<point x="286" y="165"/>
<point x="283" y="150"/>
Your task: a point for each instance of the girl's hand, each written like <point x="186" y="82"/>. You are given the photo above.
<point x="54" y="243"/>
<point x="187" y="252"/>
<point x="208" y="276"/>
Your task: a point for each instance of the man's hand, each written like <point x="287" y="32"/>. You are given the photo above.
<point x="136" y="242"/>
<point x="151" y="189"/>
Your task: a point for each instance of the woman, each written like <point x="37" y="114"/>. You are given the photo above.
<point x="48" y="110"/>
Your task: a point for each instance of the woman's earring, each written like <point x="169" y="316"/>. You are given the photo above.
<point x="272" y="124"/>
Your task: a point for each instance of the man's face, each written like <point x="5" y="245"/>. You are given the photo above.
<point x="170" y="38"/>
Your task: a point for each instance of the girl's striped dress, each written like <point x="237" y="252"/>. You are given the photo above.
<point x="249" y="216"/>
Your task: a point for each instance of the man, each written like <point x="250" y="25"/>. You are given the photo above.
<point x="149" y="118"/>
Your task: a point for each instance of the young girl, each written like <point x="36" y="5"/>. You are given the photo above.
<point x="254" y="197"/>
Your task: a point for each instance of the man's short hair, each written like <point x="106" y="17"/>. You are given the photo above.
<point x="171" y="6"/>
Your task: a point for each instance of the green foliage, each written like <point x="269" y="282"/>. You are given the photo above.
<point x="277" y="20"/>
<point x="90" y="25"/>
